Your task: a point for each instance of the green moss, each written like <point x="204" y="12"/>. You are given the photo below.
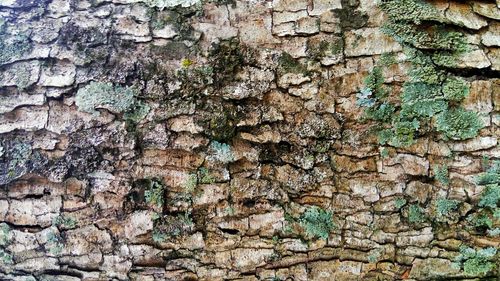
<point x="225" y="58"/>
<point x="194" y="80"/>
<point x="458" y="124"/>
<point x="288" y="64"/>
<point x="325" y="48"/>
<point x="222" y="125"/>
<point x="162" y="4"/>
<point x="476" y="262"/>
<point x="349" y="16"/>
<point x="441" y="174"/>
<point x="317" y="223"/>
<point x="186" y="63"/>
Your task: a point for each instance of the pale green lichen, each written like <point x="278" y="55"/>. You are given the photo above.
<point x="317" y="222"/>
<point x="5" y="234"/>
<point x="458" y="124"/>
<point x="14" y="48"/>
<point x="441" y="174"/>
<point x="416" y="214"/>
<point x="429" y="98"/>
<point x="476" y="262"/>
<point x="205" y="176"/>
<point x="190" y="183"/>
<point x="55" y="243"/>
<point x="116" y="99"/>
<point x="65" y="221"/>
<point x="414" y="11"/>
<point x="104" y="95"/>
<point x="6" y="257"/>
<point x="162" y="4"/>
<point x="455" y="89"/>
<point x="444" y="206"/>
<point x="399" y="202"/>
<point x="221" y="152"/>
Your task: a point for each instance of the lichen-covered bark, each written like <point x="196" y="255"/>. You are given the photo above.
<point x="249" y="140"/>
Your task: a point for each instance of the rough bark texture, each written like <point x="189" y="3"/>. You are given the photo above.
<point x="188" y="140"/>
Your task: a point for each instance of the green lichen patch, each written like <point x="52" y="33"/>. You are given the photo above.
<point x="349" y="16"/>
<point x="441" y="174"/>
<point x="116" y="99"/>
<point x="55" y="243"/>
<point x="446" y="207"/>
<point x="455" y="89"/>
<point x="458" y="124"/>
<point x="416" y="214"/>
<point x="414" y="11"/>
<point x="490" y="197"/>
<point x="162" y="4"/>
<point x="430" y="97"/>
<point x="220" y="152"/>
<point x="317" y="222"/>
<point x="288" y="64"/>
<point x="420" y="100"/>
<point x="491" y="176"/>
<point x="399" y="202"/>
<point x="205" y="176"/>
<point x="104" y="95"/>
<point x="154" y="193"/>
<point x="6" y="257"/>
<point x="5" y="234"/>
<point x="65" y="221"/>
<point x="476" y="262"/>
<point x="14" y="47"/>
